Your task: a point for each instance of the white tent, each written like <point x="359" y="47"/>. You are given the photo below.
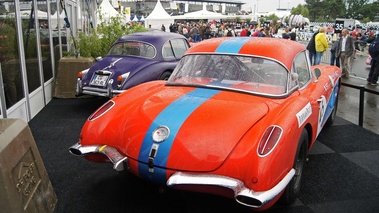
<point x="25" y="14"/>
<point x="135" y="18"/>
<point x="106" y="11"/>
<point x="202" y="14"/>
<point x="54" y="19"/>
<point x="159" y="17"/>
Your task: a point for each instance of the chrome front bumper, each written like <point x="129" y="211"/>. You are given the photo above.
<point x="242" y="194"/>
<point x="113" y="155"/>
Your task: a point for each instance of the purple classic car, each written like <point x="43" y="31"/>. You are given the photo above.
<point x="133" y="59"/>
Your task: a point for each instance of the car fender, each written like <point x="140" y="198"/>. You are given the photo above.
<point x="149" y="73"/>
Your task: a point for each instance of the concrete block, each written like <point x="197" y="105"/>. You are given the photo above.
<point x="68" y="68"/>
<point x="24" y="183"/>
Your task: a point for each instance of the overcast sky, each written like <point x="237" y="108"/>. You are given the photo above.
<point x="270" y="5"/>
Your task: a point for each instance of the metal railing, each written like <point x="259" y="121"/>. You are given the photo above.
<point x="362" y="89"/>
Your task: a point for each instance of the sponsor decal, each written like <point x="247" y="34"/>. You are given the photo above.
<point x="304" y="114"/>
<point x="321" y="114"/>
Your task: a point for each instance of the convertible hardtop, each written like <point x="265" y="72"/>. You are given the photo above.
<point x="281" y="50"/>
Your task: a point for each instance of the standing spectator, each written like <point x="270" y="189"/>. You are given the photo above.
<point x="334" y="60"/>
<point x="207" y="33"/>
<point x="201" y="31"/>
<point x="229" y="32"/>
<point x="262" y="33"/>
<point x="345" y="51"/>
<point x="180" y="28"/>
<point x="256" y="33"/>
<point x="374" y="70"/>
<point x="194" y="33"/>
<point x="311" y="47"/>
<point x="292" y="34"/>
<point x="286" y="34"/>
<point x="163" y="28"/>
<point x="185" y="31"/>
<point x="244" y="32"/>
<point x="171" y="28"/>
<point x="221" y="31"/>
<point x="321" y="44"/>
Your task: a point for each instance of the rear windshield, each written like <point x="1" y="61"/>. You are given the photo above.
<point x="243" y="73"/>
<point x="133" y="48"/>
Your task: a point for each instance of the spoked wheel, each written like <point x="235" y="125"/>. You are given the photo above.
<point x="165" y="75"/>
<point x="292" y="190"/>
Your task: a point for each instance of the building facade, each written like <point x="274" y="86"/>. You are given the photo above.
<point x="33" y="34"/>
<point x="30" y="45"/>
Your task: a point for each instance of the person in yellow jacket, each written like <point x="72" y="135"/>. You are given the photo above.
<point x="321" y="43"/>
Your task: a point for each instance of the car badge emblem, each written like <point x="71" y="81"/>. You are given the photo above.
<point x="160" y="134"/>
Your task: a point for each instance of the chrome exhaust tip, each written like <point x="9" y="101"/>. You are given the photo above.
<point x="112" y="153"/>
<point x="79" y="150"/>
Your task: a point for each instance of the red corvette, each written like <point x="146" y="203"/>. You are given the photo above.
<point x="236" y="118"/>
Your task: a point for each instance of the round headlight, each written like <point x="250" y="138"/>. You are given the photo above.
<point x="160" y="134"/>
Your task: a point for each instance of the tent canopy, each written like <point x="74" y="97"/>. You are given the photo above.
<point x="158" y="17"/>
<point x="202" y="14"/>
<point x="106" y="11"/>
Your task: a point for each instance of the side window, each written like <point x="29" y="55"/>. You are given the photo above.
<point x="301" y="69"/>
<point x="179" y="46"/>
<point x="294" y="79"/>
<point x="167" y="51"/>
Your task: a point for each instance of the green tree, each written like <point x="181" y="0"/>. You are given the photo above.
<point x="353" y="7"/>
<point x="334" y="9"/>
<point x="329" y="10"/>
<point x="300" y="10"/>
<point x="273" y="18"/>
<point x="315" y="8"/>
<point x="368" y="12"/>
<point x="97" y="42"/>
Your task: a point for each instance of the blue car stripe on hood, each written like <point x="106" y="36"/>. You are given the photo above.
<point x="232" y="46"/>
<point x="173" y="116"/>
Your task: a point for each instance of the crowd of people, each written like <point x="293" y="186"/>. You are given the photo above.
<point x="198" y="31"/>
<point x="342" y="49"/>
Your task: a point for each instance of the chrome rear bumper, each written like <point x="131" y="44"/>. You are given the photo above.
<point x="102" y="92"/>
<point x="242" y="194"/>
<point x="113" y="155"/>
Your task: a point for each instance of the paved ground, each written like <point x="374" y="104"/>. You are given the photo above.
<point x="342" y="174"/>
<point x="349" y="97"/>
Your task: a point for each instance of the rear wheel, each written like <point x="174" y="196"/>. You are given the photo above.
<point x="292" y="190"/>
<point x="165" y="75"/>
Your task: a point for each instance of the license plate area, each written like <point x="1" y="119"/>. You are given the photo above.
<point x="99" y="80"/>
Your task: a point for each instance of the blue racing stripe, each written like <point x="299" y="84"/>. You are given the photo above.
<point x="173" y="116"/>
<point x="232" y="45"/>
<point x="331" y="103"/>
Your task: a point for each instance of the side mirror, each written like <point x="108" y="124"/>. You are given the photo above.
<point x="99" y="58"/>
<point x="317" y="72"/>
